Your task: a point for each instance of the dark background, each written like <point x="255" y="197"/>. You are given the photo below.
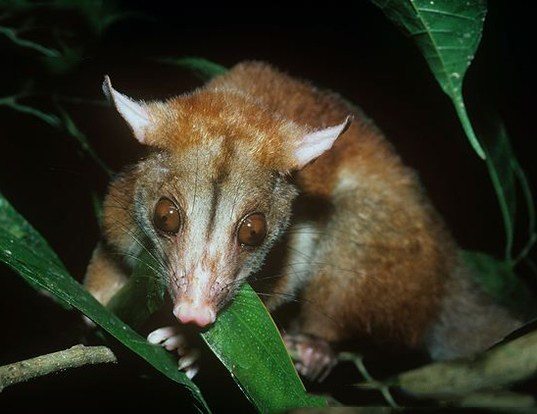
<point x="354" y="51"/>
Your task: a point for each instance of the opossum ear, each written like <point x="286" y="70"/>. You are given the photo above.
<point x="135" y="113"/>
<point x="316" y="143"/>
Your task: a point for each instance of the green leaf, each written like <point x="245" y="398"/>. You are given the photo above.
<point x="447" y="33"/>
<point x="244" y="338"/>
<point x="142" y="295"/>
<point x="12" y="35"/>
<point x="100" y="14"/>
<point x="12" y="102"/>
<point x="14" y="232"/>
<point x="248" y="343"/>
<point x="24" y="250"/>
<point x="500" y="168"/>
<point x="203" y="68"/>
<point x="71" y="129"/>
<point x="498" y="279"/>
<point x="506" y="174"/>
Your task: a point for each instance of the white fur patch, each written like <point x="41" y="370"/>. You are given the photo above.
<point x="302" y="246"/>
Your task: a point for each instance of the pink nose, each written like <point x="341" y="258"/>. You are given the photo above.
<point x="201" y="315"/>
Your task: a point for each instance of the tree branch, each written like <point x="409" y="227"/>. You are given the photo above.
<point x="73" y="357"/>
<point x="499" y="367"/>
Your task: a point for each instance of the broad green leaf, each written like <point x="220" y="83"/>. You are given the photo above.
<point x="203" y="68"/>
<point x="14" y="232"/>
<point x="447" y="33"/>
<point x="24" y="250"/>
<point x="499" y="280"/>
<point x="248" y="343"/>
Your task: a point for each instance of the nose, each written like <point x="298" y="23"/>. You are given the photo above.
<point x="198" y="314"/>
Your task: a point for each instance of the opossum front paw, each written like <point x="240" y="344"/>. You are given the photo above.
<point x="314" y="357"/>
<point x="172" y="339"/>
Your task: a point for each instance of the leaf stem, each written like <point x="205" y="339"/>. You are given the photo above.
<point x="378" y="385"/>
<point x="460" y="107"/>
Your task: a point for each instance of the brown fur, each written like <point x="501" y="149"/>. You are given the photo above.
<point x="383" y="260"/>
<point x="405" y="254"/>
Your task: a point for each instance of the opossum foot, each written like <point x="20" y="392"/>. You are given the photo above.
<point x="172" y="339"/>
<point x="314" y="357"/>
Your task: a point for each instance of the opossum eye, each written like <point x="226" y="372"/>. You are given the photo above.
<point x="166" y="217"/>
<point x="252" y="230"/>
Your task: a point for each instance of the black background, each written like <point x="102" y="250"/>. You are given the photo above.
<point x="352" y="50"/>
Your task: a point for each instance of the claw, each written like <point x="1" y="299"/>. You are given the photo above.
<point x="161" y="334"/>
<point x="171" y="338"/>
<point x="176" y="342"/>
<point x="191" y="372"/>
<point x="188" y="359"/>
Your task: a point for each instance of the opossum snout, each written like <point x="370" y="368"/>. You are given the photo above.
<point x="199" y="314"/>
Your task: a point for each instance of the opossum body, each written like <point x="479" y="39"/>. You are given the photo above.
<point x="256" y="158"/>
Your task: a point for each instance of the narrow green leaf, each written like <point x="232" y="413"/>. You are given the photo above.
<point x="448" y="34"/>
<point x="12" y="102"/>
<point x="507" y="177"/>
<point x="500" y="168"/>
<point x="97" y="205"/>
<point x="24" y="250"/>
<point x="11" y="34"/>
<point x="100" y="14"/>
<point x="203" y="68"/>
<point x="71" y="129"/>
<point x="530" y="205"/>
<point x="499" y="280"/>
<point x="248" y="343"/>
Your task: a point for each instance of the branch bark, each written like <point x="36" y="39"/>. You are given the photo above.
<point x="499" y="367"/>
<point x="73" y="357"/>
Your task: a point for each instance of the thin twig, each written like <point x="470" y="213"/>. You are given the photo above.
<point x="11" y="34"/>
<point x="372" y="382"/>
<point x="73" y="357"/>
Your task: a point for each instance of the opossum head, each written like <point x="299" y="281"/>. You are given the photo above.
<point x="215" y="193"/>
